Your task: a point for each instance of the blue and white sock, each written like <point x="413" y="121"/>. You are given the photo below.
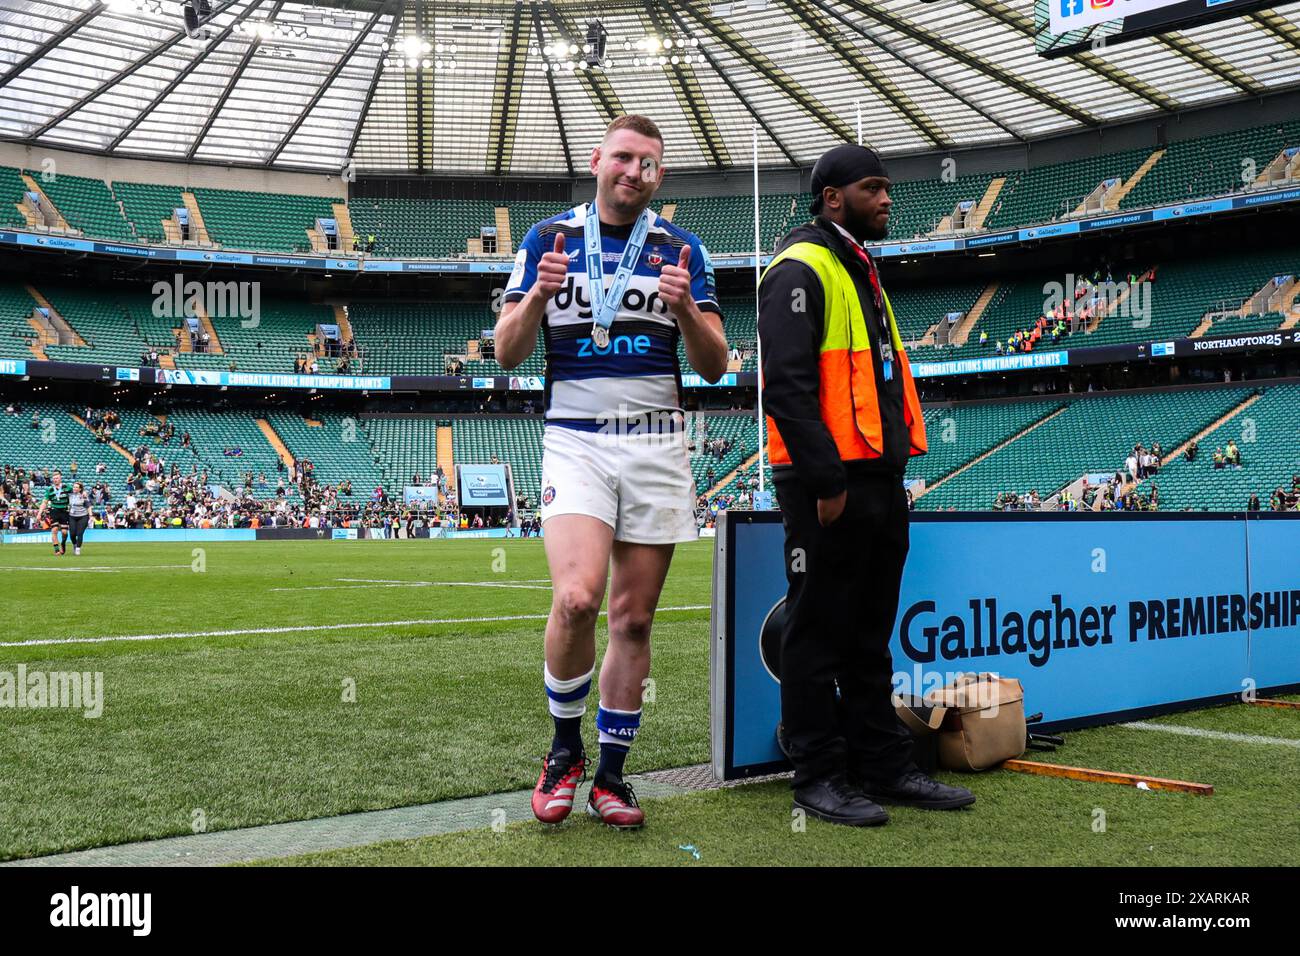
<point x="617" y="731"/>
<point x="567" y="700"/>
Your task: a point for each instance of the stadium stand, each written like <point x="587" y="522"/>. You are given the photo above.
<point x="726" y="223"/>
<point x="15" y="331"/>
<point x="146" y="205"/>
<point x="921" y="205"/>
<point x="226" y="442"/>
<point x="12" y="188"/>
<point x="337" y="446"/>
<point x="270" y="340"/>
<point x="962" y="433"/>
<point x="1268" y="435"/>
<point x="57" y="443"/>
<point x="516" y="441"/>
<point x="87" y="204"/>
<point x="732" y="438"/>
<point x="403" y="448"/>
<point x="1211" y="165"/>
<point x="1092" y="434"/>
<point x="1054" y="191"/>
<point x="410" y="338"/>
<point x="917" y="308"/>
<point x="278" y="222"/>
<point x="1178" y="300"/>
<point x="423" y="227"/>
<point x="106" y="320"/>
<point x="1188" y="169"/>
<point x="1246" y="324"/>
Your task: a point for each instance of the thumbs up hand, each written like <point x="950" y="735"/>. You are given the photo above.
<point x="552" y="269"/>
<point x="675" y="284"/>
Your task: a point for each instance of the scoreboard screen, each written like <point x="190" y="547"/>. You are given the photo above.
<point x="1071" y="26"/>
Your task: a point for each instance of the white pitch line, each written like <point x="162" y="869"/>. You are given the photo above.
<point x="355" y="587"/>
<point x="394" y="580"/>
<point x="106" y="569"/>
<point x="309" y="627"/>
<point x="1214" y="734"/>
<point x="414" y="584"/>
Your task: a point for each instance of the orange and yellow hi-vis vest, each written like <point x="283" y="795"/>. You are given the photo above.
<point x="850" y="406"/>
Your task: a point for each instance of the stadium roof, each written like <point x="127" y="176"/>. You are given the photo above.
<point x="480" y="87"/>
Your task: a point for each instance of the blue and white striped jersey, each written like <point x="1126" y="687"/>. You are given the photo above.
<point x="637" y="376"/>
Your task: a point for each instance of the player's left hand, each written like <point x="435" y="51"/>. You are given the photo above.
<point x="675" y="284"/>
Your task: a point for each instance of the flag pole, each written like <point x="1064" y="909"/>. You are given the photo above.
<point x="758" y="274"/>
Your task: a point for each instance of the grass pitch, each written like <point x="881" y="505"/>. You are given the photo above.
<point x="229" y="672"/>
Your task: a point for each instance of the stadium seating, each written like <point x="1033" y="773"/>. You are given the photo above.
<point x="1211" y="165"/>
<point x="244" y="219"/>
<point x="514" y="441"/>
<point x="916" y="308"/>
<point x="216" y="436"/>
<point x="1182" y="293"/>
<point x="86" y="204"/>
<point x="1093" y="434"/>
<point x="403" y="448"/>
<point x="1246" y="324"/>
<point x="742" y="430"/>
<point x="424" y="227"/>
<point x="338" y="447"/>
<point x="959" y="434"/>
<point x="526" y="214"/>
<point x="108" y="321"/>
<point x="414" y="338"/>
<point x="57" y="444"/>
<point x="269" y="341"/>
<point x="278" y="222"/>
<point x="1268" y="436"/>
<point x="15" y="332"/>
<point x="12" y="188"/>
<point x="919" y="205"/>
<point x="1046" y="193"/>
<point x="146" y="205"/>
<point x="726" y="223"/>
<point x="743" y="481"/>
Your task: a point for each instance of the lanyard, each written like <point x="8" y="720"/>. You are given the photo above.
<point x="878" y="298"/>
<point x="876" y="295"/>
<point x="604" y="305"/>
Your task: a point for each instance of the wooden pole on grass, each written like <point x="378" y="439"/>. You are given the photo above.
<point x="1107" y="776"/>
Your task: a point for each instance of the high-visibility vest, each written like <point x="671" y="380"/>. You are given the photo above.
<point x="850" y="406"/>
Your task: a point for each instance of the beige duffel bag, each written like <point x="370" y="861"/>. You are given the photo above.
<point x="984" y="723"/>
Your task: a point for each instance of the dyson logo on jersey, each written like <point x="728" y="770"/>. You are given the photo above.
<point x="634" y="299"/>
<point x="618" y="345"/>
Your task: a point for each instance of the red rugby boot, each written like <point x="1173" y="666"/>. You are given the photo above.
<point x="553" y="795"/>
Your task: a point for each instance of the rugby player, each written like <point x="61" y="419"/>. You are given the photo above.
<point x="56" y="503"/>
<point x="616" y="482"/>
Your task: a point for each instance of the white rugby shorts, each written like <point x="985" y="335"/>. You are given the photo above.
<point x="639" y="485"/>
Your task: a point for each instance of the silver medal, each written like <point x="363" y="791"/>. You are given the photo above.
<point x="600" y="335"/>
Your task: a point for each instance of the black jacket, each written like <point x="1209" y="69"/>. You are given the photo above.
<point x="790" y="318"/>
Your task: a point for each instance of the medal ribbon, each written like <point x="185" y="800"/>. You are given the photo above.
<point x="604" y="305"/>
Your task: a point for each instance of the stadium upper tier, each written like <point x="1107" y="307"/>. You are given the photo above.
<point x="411" y="227"/>
<point x="1229" y="294"/>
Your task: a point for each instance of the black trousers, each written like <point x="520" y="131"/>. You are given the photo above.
<point x="840" y="610"/>
<point x="77" y="528"/>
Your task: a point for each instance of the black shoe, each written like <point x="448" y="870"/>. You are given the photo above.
<point x="915" y="789"/>
<point x="832" y="799"/>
